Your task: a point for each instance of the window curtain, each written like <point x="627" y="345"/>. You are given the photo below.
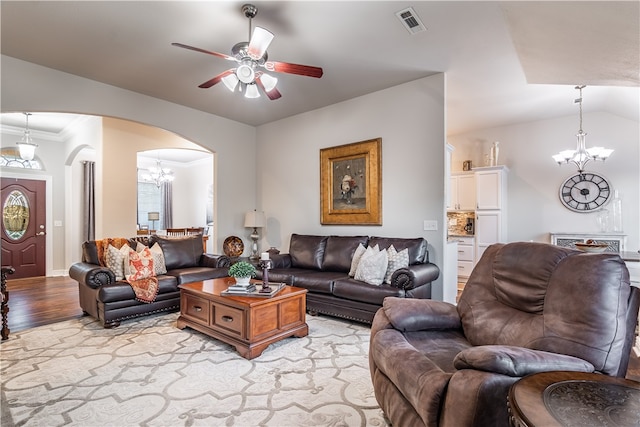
<point x="89" y="202"/>
<point x="166" y="201"/>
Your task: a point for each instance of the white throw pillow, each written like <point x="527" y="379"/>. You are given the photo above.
<point x="356" y="259"/>
<point x="115" y="260"/>
<point x="372" y="267"/>
<point x="397" y="260"/>
<point x="158" y="259"/>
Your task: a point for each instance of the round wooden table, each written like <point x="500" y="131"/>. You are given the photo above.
<point x="561" y="398"/>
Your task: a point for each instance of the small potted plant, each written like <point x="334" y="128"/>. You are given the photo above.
<point x="242" y="271"/>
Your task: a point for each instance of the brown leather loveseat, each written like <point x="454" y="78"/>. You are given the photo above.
<point x="526" y="308"/>
<point x="321" y="264"/>
<point x="111" y="300"/>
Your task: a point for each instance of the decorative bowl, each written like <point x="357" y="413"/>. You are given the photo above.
<point x="233" y="246"/>
<point x="592" y="247"/>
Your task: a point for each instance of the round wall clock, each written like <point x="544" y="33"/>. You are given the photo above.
<point x="585" y="192"/>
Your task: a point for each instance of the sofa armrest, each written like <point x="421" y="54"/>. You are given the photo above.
<point x="214" y="261"/>
<point x="517" y="361"/>
<point x="414" y="276"/>
<point x="409" y="315"/>
<point x="281" y="260"/>
<point x="91" y="275"/>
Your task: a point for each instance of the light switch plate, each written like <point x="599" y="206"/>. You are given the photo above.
<point x="430" y="225"/>
<point x="57" y="223"/>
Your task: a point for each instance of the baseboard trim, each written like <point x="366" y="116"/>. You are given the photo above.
<point x="58" y="273"/>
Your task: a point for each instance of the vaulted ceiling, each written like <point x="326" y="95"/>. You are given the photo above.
<point x="505" y="62"/>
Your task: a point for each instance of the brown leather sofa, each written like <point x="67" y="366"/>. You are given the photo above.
<point x="526" y="308"/>
<point x="321" y="265"/>
<point x="111" y="301"/>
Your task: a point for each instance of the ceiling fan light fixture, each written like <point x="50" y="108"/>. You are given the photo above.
<point x="269" y="82"/>
<point x="230" y="81"/>
<point x="260" y="41"/>
<point x="245" y="73"/>
<point x="251" y="91"/>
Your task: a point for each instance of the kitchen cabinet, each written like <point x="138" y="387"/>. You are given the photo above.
<point x="491" y="187"/>
<point x="466" y="257"/>
<point x="490" y="229"/>
<point x="462" y="192"/>
<point x="491" y="207"/>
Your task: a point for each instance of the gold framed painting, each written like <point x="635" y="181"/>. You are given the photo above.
<point x="351" y="184"/>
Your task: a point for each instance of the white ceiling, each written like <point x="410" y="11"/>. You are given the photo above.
<point x="505" y="62"/>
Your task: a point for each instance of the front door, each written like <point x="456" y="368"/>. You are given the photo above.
<point x="23" y="226"/>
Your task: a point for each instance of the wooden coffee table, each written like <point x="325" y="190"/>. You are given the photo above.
<point x="250" y="324"/>
<point x="562" y="398"/>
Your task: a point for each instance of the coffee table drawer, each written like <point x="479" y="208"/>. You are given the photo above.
<point x="230" y="320"/>
<point x="196" y="308"/>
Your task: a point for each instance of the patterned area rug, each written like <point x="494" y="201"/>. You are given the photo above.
<point x="149" y="373"/>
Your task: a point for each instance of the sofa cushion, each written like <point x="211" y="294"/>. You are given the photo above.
<point x="116" y="258"/>
<point x="307" y="251"/>
<point x="317" y="281"/>
<point x="181" y="252"/>
<point x="356" y="259"/>
<point x="397" y="260"/>
<point x="122" y="291"/>
<point x="372" y="266"/>
<point x="340" y="250"/>
<point x="196" y="274"/>
<point x="417" y="247"/>
<point x="359" y="291"/>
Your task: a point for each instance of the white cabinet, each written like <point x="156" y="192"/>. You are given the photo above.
<point x="466" y="257"/>
<point x="490" y="229"/>
<point x="491" y="188"/>
<point x="462" y="192"/>
<point x="491" y="207"/>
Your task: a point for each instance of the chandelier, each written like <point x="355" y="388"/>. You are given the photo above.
<point x="158" y="174"/>
<point x="582" y="155"/>
<point x="26" y="146"/>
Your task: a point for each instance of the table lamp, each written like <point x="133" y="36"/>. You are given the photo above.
<point x="255" y="220"/>
<point x="153" y="217"/>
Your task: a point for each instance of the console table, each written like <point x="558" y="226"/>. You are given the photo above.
<point x="580" y="399"/>
<point x="4" y="306"/>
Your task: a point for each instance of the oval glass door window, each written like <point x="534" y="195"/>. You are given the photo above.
<point x="15" y="215"/>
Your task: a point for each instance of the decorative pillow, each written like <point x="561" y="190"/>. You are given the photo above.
<point x="140" y="265"/>
<point x="114" y="258"/>
<point x="372" y="267"/>
<point x="356" y="259"/>
<point x="397" y="260"/>
<point x="158" y="259"/>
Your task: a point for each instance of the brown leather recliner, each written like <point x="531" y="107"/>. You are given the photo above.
<point x="526" y="308"/>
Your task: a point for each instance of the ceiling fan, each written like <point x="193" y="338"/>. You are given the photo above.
<point x="250" y="57"/>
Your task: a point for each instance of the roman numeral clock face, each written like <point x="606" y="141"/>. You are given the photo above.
<point x="585" y="192"/>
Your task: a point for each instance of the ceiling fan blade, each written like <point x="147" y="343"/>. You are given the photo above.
<point x="197" y="49"/>
<point x="260" y="41"/>
<point x="273" y="94"/>
<point x="216" y="79"/>
<point x="302" y="70"/>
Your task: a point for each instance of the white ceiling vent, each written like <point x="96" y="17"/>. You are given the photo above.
<point x="411" y="21"/>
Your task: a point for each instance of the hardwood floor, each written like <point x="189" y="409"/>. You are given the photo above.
<point x="43" y="300"/>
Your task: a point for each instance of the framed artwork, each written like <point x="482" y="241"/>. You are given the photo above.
<point x="351" y="184"/>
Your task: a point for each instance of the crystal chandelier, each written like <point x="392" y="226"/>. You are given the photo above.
<point x="582" y="155"/>
<point x="158" y="174"/>
<point x="26" y="146"/>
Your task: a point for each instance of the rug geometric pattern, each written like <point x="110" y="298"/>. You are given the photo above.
<point x="146" y="372"/>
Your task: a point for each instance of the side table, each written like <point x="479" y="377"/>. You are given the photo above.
<point x="580" y="399"/>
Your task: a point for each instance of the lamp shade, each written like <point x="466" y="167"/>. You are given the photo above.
<point x="254" y="219"/>
<point x="153" y="216"/>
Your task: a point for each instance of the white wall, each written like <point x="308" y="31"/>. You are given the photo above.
<point x="190" y="193"/>
<point x="534" y="178"/>
<point x="410" y="120"/>
<point x="30" y="87"/>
